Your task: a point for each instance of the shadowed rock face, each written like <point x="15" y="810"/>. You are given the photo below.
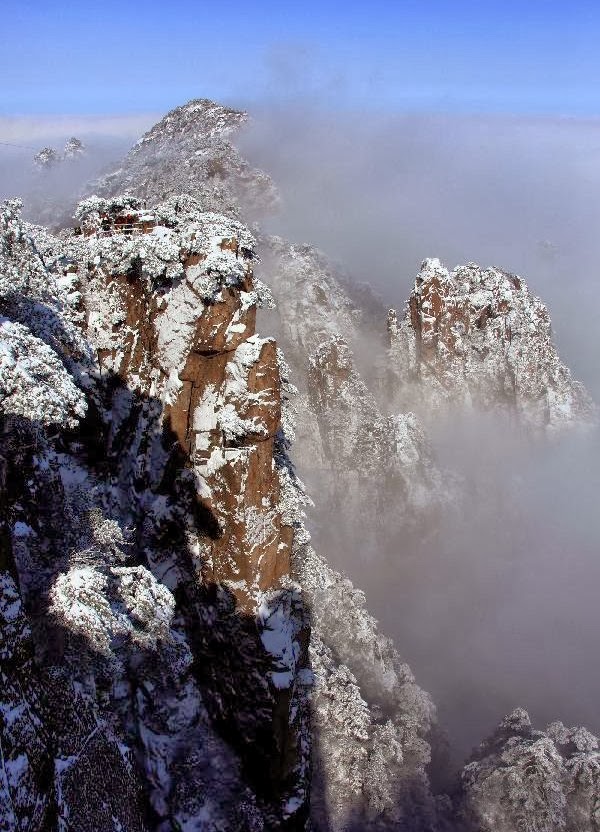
<point x="146" y="552"/>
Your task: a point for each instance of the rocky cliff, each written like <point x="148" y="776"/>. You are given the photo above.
<point x="363" y="460"/>
<point x="159" y="585"/>
<point x="479" y="338"/>
<point x="175" y="653"/>
<point x="150" y="626"/>
<point x="191" y="151"/>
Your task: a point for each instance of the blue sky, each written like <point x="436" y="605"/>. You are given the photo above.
<point x="440" y="55"/>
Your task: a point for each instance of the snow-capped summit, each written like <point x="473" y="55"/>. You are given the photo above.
<point x="190" y="151"/>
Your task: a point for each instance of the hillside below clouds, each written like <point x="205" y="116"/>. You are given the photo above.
<point x="176" y="653"/>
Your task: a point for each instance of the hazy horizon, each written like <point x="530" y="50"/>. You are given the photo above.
<point x="381" y="193"/>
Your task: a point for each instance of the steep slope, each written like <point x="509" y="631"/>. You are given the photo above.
<point x="154" y="596"/>
<point x="372" y="724"/>
<point x="314" y="311"/>
<point x="369" y="466"/>
<point x="149" y="625"/>
<point x="191" y="151"/>
<point x="360" y="444"/>
<point x="164" y="616"/>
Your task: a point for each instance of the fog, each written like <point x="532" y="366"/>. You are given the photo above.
<point x="49" y="195"/>
<point x="501" y="609"/>
<point x="379" y="193"/>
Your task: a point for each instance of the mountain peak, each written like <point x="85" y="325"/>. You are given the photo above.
<point x="199" y="119"/>
<point x="480" y="336"/>
<point x="189" y="151"/>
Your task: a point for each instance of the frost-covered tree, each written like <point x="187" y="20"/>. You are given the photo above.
<point x="39" y="341"/>
<point x="48" y="157"/>
<point x="533" y="781"/>
<point x="371" y="721"/>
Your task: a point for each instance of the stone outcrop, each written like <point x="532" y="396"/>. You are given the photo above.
<point x="384" y="465"/>
<point x="479" y="337"/>
<point x="185" y="510"/>
<point x="365" y="462"/>
<point x="193" y="351"/>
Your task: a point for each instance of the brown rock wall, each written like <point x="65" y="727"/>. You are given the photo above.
<point x="225" y="415"/>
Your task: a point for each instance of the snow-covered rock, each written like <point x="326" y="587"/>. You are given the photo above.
<point x="162" y="536"/>
<point x="521" y="778"/>
<point x="189" y="152"/>
<point x="479" y="337"/>
<point x="173" y="652"/>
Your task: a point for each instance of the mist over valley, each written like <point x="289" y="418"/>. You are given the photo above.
<point x="248" y="524"/>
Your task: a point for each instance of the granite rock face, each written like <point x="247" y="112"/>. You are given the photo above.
<point x="478" y="337"/>
<point x="192" y="151"/>
<point x="189" y="350"/>
<point x="174" y="654"/>
<point x="150" y="627"/>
